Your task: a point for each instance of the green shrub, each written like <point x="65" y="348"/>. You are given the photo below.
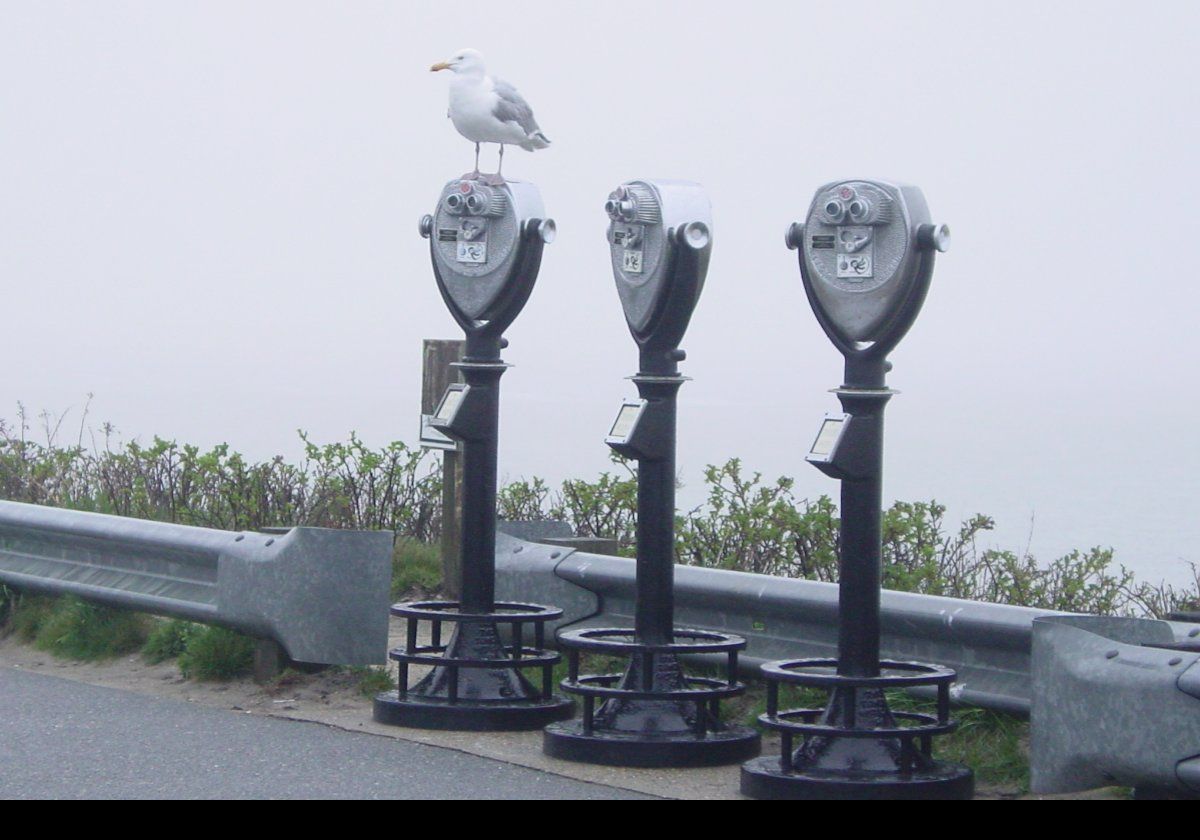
<point x="27" y="614"/>
<point x="749" y="525"/>
<point x="606" y="507"/>
<point x="214" y="653"/>
<point x="745" y="522"/>
<point x="78" y="630"/>
<point x="168" y="640"/>
<point x="416" y="568"/>
<point x="336" y="485"/>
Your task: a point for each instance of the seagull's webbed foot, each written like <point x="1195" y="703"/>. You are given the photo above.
<point x="473" y="176"/>
<point x="493" y="180"/>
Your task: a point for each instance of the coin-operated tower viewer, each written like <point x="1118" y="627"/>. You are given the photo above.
<point x="653" y="714"/>
<point x="486" y="244"/>
<point x="866" y="257"/>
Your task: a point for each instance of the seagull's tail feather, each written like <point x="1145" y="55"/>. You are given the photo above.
<point x="536" y="140"/>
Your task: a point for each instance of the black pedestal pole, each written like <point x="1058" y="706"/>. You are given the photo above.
<point x="653" y="715"/>
<point x="476" y="681"/>
<point x="856" y="747"/>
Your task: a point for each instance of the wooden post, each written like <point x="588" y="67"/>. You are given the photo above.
<point x="269" y="660"/>
<point x="436" y="374"/>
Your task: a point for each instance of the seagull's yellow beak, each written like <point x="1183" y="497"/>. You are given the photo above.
<point x="441" y="65"/>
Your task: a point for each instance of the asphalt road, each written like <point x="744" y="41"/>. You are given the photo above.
<point x="66" y="740"/>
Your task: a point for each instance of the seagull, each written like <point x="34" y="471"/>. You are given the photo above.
<point x="488" y="110"/>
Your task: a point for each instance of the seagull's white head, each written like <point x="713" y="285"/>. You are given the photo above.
<point x="463" y="61"/>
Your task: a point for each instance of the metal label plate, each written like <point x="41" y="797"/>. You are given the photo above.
<point x="855" y="266"/>
<point x="471" y="252"/>
<point x="626" y="419"/>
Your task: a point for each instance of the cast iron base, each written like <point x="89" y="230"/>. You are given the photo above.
<point x="728" y="746"/>
<point x="764" y="778"/>
<point x="430" y="713"/>
<point x="653" y="714"/>
<point x="475" y="681"/>
<point x="856" y="747"/>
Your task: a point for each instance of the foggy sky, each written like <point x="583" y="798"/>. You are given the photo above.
<point x="208" y="220"/>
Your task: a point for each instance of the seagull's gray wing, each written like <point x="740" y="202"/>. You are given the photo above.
<point x="512" y="107"/>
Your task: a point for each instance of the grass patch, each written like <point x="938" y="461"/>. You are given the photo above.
<point x="372" y="679"/>
<point x="27" y="614"/>
<point x="8" y="598"/>
<point x="214" y="653"/>
<point x="993" y="744"/>
<point x="416" y="568"/>
<point x="168" y="640"/>
<point x="75" y="629"/>
<point x="753" y="703"/>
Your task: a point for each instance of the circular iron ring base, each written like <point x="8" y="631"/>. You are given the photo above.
<point x="463" y="716"/>
<point x="683" y="749"/>
<point x="763" y="778"/>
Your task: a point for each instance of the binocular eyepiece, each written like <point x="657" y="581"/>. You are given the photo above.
<point x="474" y="200"/>
<point x="854" y="207"/>
<point x="620" y="210"/>
<point x="632" y="203"/>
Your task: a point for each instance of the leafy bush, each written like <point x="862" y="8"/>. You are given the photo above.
<point x="524" y="500"/>
<point x="745" y="522"/>
<point x="214" y="653"/>
<point x="750" y="525"/>
<point x="416" y="568"/>
<point x="78" y="630"/>
<point x="762" y="528"/>
<point x="606" y="507"/>
<point x="337" y="485"/>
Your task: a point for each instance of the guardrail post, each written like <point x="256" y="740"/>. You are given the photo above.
<point x="320" y="593"/>
<point x="438" y="357"/>
<point x="268" y="660"/>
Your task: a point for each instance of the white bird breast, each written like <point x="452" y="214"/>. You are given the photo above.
<point x="471" y="106"/>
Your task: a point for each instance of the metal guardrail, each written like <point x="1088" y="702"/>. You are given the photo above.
<point x="1116" y="701"/>
<point x="321" y="594"/>
<point x="989" y="645"/>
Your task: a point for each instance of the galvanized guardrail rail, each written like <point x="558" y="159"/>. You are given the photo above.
<point x="1116" y="701"/>
<point x="989" y="645"/>
<point x="322" y="594"/>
